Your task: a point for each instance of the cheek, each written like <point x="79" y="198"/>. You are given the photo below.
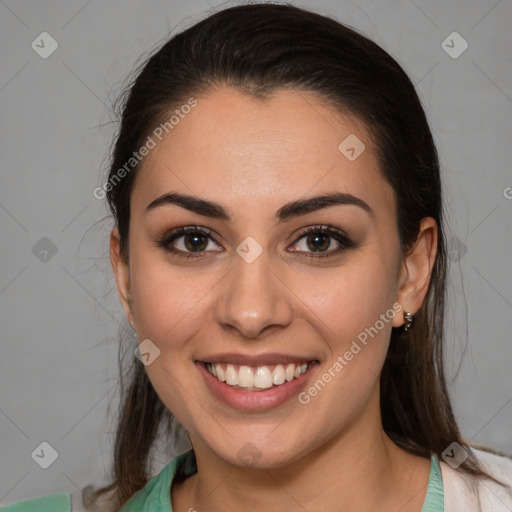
<point x="357" y="332"/>
<point x="167" y="301"/>
<point x="355" y="306"/>
<point x="352" y="297"/>
<point x="169" y="306"/>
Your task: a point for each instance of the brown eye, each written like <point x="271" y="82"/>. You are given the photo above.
<point x="318" y="242"/>
<point x="189" y="241"/>
<point x="195" y="242"/>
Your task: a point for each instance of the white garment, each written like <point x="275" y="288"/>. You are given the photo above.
<point x="465" y="493"/>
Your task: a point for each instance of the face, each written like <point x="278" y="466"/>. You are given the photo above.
<point x="235" y="269"/>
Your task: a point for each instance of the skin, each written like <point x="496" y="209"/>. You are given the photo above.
<point x="253" y="157"/>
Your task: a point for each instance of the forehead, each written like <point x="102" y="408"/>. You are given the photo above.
<point x="237" y="147"/>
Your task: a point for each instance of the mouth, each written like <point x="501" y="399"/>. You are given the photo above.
<point x="257" y="378"/>
<point x="256" y="383"/>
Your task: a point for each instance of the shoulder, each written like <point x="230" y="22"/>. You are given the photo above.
<point x="476" y="494"/>
<point x="154" y="497"/>
<point x="500" y="466"/>
<point x="60" y="502"/>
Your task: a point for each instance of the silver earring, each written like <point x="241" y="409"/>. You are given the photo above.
<point x="409" y="321"/>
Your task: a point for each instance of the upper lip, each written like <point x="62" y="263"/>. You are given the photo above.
<point x="267" y="359"/>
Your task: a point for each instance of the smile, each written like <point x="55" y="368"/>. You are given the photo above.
<point x="249" y="378"/>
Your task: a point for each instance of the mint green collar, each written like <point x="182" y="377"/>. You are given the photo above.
<point x="434" y="501"/>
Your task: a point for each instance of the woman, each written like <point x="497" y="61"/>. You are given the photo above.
<point x="279" y="252"/>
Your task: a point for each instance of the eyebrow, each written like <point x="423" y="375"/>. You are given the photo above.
<point x="287" y="212"/>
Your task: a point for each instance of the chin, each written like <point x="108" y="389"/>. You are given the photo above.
<point x="259" y="454"/>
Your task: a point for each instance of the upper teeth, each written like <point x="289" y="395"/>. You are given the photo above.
<point x="262" y="377"/>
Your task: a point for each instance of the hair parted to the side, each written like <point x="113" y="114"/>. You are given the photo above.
<point x="258" y="49"/>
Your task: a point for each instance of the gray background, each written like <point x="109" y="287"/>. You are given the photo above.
<point x="60" y="313"/>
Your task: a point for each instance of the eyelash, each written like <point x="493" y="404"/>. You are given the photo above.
<point x="344" y="241"/>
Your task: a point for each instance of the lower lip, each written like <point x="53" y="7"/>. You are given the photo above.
<point x="255" y="400"/>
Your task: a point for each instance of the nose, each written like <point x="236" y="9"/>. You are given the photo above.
<point x="254" y="299"/>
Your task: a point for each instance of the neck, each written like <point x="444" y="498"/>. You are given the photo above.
<point x="359" y="467"/>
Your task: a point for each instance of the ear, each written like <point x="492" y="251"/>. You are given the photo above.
<point x="121" y="274"/>
<point x="416" y="269"/>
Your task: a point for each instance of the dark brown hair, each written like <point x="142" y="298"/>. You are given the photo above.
<point x="258" y="49"/>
